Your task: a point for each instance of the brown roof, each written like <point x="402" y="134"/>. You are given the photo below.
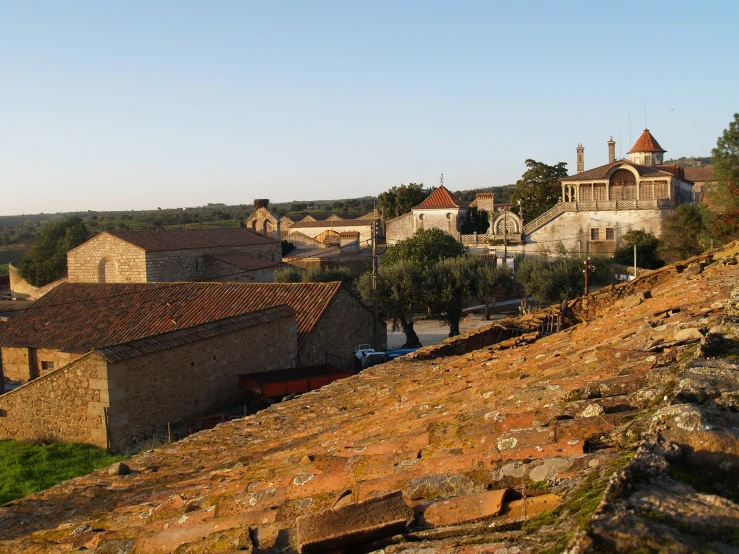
<point x="600" y="172"/>
<point x="646" y="143"/>
<point x="700" y="174"/>
<point x="461" y="432"/>
<point x="245" y="261"/>
<point x="184" y="239"/>
<point x="76" y="317"/>
<point x="179" y="337"/>
<point x="442" y="197"/>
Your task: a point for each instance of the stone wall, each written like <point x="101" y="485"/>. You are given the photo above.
<point x="65" y="405"/>
<point x="24" y="364"/>
<point x="23" y="290"/>
<point x="573" y="230"/>
<point x="399" y="228"/>
<point x="190" y="264"/>
<point x="227" y="273"/>
<point x="106" y="258"/>
<point x="345" y="324"/>
<point x="149" y="391"/>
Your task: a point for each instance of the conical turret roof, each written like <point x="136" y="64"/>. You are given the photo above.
<point x="646" y="143"/>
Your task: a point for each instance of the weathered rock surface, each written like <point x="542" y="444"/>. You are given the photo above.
<point x="619" y="427"/>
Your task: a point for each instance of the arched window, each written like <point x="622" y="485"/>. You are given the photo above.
<point x="623" y="185"/>
<point x="107" y="270"/>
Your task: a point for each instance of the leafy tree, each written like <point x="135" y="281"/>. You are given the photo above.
<point x="313" y="275"/>
<point x="399" y="288"/>
<point x="46" y="260"/>
<point x="289" y="274"/>
<point x="424" y="248"/>
<point x="286" y="247"/>
<point x="490" y="281"/>
<point x="726" y="165"/>
<point x="684" y="234"/>
<point x="478" y="222"/>
<point x="539" y="188"/>
<point x="647" y="250"/>
<point x="448" y="283"/>
<point x="552" y="281"/>
<point x="399" y="200"/>
<point x="328" y="274"/>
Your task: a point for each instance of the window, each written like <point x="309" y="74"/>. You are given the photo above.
<point x="602" y="233"/>
<point x="448" y="216"/>
<point x="47" y="366"/>
<point x="647" y="159"/>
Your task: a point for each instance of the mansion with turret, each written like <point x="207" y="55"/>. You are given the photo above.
<point x="598" y="205"/>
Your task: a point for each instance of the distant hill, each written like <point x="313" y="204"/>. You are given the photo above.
<point x="693" y="161"/>
<point x="502" y="193"/>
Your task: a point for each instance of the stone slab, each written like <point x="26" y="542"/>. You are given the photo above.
<point x="353" y="524"/>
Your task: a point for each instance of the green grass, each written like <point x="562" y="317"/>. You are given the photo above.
<point x="3" y="269"/>
<point x="27" y="467"/>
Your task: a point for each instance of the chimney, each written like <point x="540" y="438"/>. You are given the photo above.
<point x="580" y="158"/>
<point x="611" y="151"/>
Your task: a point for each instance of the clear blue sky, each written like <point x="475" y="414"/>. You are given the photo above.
<point x="133" y="105"/>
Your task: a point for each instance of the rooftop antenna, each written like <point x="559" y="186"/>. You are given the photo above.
<point x="645" y="115"/>
<point x="441" y="179"/>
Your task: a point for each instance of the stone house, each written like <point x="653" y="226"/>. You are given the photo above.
<point x="440" y="210"/>
<point x="153" y="353"/>
<point x="113" y="393"/>
<point x="176" y="255"/>
<point x="74" y="318"/>
<point x="263" y="221"/>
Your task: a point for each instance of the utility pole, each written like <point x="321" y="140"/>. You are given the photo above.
<point x="374" y="285"/>
<point x="635" y="261"/>
<point x="505" y="237"/>
<point x="587" y="276"/>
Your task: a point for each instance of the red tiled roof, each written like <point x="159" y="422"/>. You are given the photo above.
<point x="179" y="337"/>
<point x="76" y="317"/>
<point x="600" y="172"/>
<point x="245" y="261"/>
<point x="447" y="431"/>
<point x="700" y="174"/>
<point x="646" y="143"/>
<point x="440" y="198"/>
<point x="183" y="239"/>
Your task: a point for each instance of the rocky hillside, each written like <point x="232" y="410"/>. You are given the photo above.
<point x="618" y="434"/>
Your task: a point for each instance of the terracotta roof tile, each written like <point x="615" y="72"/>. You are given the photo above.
<point x="503" y="408"/>
<point x="646" y="143"/>
<point x="155" y="343"/>
<point x="700" y="174"/>
<point x="600" y="172"/>
<point x="440" y="198"/>
<point x="183" y="239"/>
<point x="76" y="317"/>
